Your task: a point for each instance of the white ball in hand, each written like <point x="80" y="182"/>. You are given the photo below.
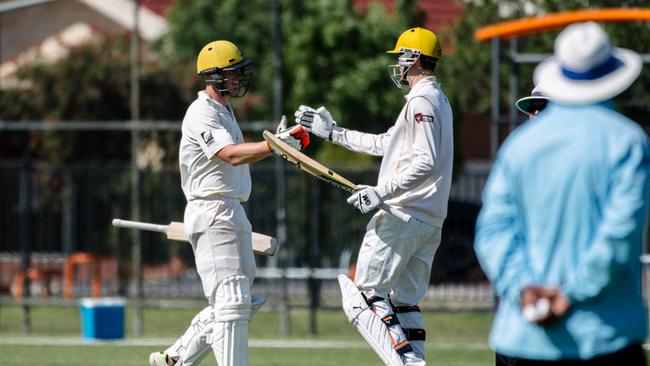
<point x="538" y="311"/>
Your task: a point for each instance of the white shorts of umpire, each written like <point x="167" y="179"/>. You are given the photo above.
<point x="371" y="327"/>
<point x="232" y="310"/>
<point x="192" y="347"/>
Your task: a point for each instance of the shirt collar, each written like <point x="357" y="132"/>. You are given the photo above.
<point x="202" y="95"/>
<point x="428" y="81"/>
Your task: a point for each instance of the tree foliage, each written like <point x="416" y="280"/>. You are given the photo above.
<point x="333" y="53"/>
<point x="467" y="69"/>
<point x="91" y="84"/>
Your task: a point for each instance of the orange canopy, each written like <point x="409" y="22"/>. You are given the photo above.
<point x="531" y="25"/>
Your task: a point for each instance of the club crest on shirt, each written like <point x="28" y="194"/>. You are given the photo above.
<point x="207" y="137"/>
<point x="419" y="118"/>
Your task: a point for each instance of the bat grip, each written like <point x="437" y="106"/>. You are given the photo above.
<point x="140" y="225"/>
<point x="393" y="211"/>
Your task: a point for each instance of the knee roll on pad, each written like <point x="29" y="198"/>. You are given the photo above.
<point x="232" y="299"/>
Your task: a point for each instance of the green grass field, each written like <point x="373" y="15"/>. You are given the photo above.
<point x="453" y="338"/>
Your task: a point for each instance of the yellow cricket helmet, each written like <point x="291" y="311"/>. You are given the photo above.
<point x="419" y="39"/>
<point x="218" y="57"/>
<point x="413" y="44"/>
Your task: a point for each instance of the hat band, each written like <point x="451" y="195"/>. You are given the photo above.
<point x="611" y="64"/>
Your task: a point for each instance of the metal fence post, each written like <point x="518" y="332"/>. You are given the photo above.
<point x="495" y="97"/>
<point x="285" y="328"/>
<point x="25" y="237"/>
<point x="135" y="170"/>
<point x="313" y="255"/>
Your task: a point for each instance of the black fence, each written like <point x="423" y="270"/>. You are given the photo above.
<point x="67" y="209"/>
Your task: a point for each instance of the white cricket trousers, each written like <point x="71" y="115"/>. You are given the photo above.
<point x="220" y="234"/>
<point x="395" y="258"/>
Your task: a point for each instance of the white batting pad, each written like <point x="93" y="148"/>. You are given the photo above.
<point x="367" y="323"/>
<point x="232" y="310"/>
<point x="192" y="347"/>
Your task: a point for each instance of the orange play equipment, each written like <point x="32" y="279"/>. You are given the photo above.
<point x="78" y="259"/>
<point x="509" y="31"/>
<point x="35" y="275"/>
<point x="532" y="25"/>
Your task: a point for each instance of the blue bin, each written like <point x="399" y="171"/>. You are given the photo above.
<point x="102" y="318"/>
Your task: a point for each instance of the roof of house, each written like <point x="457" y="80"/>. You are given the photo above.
<point x="439" y="13"/>
<point x="68" y="31"/>
<point x="159" y="7"/>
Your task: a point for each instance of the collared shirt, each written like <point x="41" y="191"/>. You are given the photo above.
<point x="207" y="128"/>
<point x="415" y="173"/>
<point x="566" y="205"/>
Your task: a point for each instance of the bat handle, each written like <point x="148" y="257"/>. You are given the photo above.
<point x="140" y="225"/>
<point x="393" y="211"/>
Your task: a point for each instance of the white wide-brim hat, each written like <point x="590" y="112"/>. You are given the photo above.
<point x="586" y="68"/>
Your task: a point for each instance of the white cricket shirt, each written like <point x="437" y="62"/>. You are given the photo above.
<point x="415" y="173"/>
<point x="207" y="128"/>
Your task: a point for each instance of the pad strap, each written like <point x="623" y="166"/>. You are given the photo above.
<point x="415" y="334"/>
<point x="403" y="347"/>
<point x="390" y="320"/>
<point x="406" y="309"/>
<point x="373" y="299"/>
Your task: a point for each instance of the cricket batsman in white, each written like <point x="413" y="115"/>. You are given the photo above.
<point x="215" y="178"/>
<point x="394" y="262"/>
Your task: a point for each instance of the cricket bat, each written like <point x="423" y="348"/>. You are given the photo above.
<point x="262" y="244"/>
<point x="320" y="171"/>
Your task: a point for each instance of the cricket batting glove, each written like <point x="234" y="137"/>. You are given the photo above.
<point x="282" y="125"/>
<point x="296" y="137"/>
<point x="317" y="121"/>
<point x="365" y="199"/>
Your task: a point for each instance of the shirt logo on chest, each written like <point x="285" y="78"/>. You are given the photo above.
<point x="419" y="118"/>
<point x="207" y="137"/>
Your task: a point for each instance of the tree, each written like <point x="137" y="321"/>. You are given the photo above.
<point x="467" y="69"/>
<point x="334" y="54"/>
<point x="91" y="84"/>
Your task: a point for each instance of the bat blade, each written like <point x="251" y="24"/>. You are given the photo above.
<point x="176" y="231"/>
<point x="320" y="171"/>
<point x="262" y="244"/>
<point x="308" y="164"/>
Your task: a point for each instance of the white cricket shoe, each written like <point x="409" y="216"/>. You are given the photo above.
<point x="158" y="359"/>
<point x="410" y="359"/>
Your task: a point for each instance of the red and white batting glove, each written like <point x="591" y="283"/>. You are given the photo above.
<point x="296" y="137"/>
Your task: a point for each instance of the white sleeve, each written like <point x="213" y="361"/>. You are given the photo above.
<point x="367" y="143"/>
<point x="423" y="128"/>
<point x="210" y="133"/>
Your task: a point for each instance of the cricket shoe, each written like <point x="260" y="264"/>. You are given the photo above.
<point x="160" y="359"/>
<point x="410" y="359"/>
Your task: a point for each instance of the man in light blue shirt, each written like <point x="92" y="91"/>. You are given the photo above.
<point x="564" y="216"/>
